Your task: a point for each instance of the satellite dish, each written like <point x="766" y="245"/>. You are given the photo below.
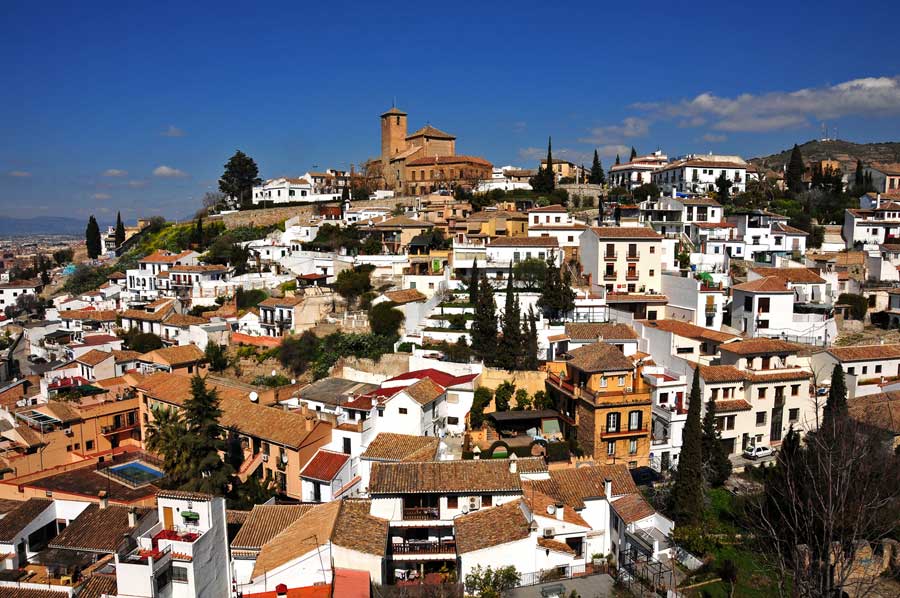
<point x="551" y="509"/>
<point x="274" y="373"/>
<point x="465" y="508"/>
<point x="254" y="396"/>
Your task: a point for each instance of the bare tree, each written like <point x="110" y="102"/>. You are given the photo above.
<point x="214" y="200"/>
<point x="830" y="500"/>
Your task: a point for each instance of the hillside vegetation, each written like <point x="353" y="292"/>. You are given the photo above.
<point x="845" y="152"/>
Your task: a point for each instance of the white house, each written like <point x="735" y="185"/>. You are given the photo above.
<point x="12" y="290"/>
<point x="698" y="174"/>
<point x="771" y="306"/>
<point x="637" y="172"/>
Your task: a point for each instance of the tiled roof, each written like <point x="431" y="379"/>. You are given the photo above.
<point x="626" y="232"/>
<point x="574" y="485"/>
<point x="94" y="357"/>
<point x="357" y="530"/>
<point x="892" y="169"/>
<point x="264" y="523"/>
<point x="388" y="446"/>
<point x="865" y="352"/>
<point x="605" y="330"/>
<point x="443" y="477"/>
<point x="98" y="586"/>
<point x="524" y="242"/>
<point x="786" y="376"/>
<point x="437" y="160"/>
<point x="96" y="529"/>
<point x="16" y="520"/>
<point x="13" y="592"/>
<point x="539" y="502"/>
<point x="404" y="296"/>
<point x="282" y="301"/>
<point x="175" y="355"/>
<point x="635" y="298"/>
<point x="761" y="346"/>
<point x="302" y="536"/>
<point x="492" y="527"/>
<point x="632" y="508"/>
<point x="145" y="316"/>
<point x="184" y="495"/>
<point x="792" y="275"/>
<point x="599" y="357"/>
<point x="161" y="256"/>
<point x="700" y="201"/>
<point x="90" y="315"/>
<point x="556" y="546"/>
<point x="287" y="428"/>
<point x="425" y="391"/>
<point x="732" y="405"/>
<point x="195" y="269"/>
<point x="184" y="320"/>
<point x="125" y="355"/>
<point x="442" y="378"/>
<point x="716" y="374"/>
<point x="781" y="227"/>
<point x="553" y="208"/>
<point x="881" y="410"/>
<point x="324" y="466"/>
<point x="688" y="330"/>
<point x="767" y="284"/>
<point x="429" y="131"/>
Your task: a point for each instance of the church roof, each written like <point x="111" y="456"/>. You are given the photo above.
<point x="394" y="111"/>
<point x="429" y="131"/>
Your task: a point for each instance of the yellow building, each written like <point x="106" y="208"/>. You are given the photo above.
<point x="600" y="392"/>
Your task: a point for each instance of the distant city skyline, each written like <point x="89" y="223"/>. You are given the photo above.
<point x="110" y="107"/>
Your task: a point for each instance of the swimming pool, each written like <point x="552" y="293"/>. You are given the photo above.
<point x="137" y="472"/>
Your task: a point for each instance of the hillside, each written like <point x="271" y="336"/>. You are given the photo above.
<point x="845" y="152"/>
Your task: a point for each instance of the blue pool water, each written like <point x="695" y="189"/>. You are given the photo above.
<point x="137" y="472"/>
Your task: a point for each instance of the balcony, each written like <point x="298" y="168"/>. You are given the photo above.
<point x="115" y="429"/>
<point x="424" y="547"/>
<point x="607" y="434"/>
<point x="610" y="276"/>
<point x="421" y="513"/>
<point x="610" y="256"/>
<point x="633" y="256"/>
<point x="632" y="276"/>
<point x="710" y="309"/>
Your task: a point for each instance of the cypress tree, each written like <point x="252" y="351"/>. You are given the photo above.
<point x="509" y="355"/>
<point x="473" y="284"/>
<point x="617" y="160"/>
<point x="716" y="464"/>
<point x="120" y="230"/>
<point x="597" y="176"/>
<point x="484" y="326"/>
<point x="549" y="176"/>
<point x="198" y="231"/>
<point x="92" y="238"/>
<point x="687" y="490"/>
<point x="633" y="154"/>
<point x="836" y="404"/>
<point x="859" y="179"/>
<point x="530" y="359"/>
<point x="793" y="176"/>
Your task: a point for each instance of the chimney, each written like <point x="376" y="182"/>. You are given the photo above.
<point x="104" y="499"/>
<point x="310" y="423"/>
<point x="877" y="200"/>
<point x="281" y="591"/>
<point x="132" y="517"/>
<point x="560" y="508"/>
<point x="304" y="408"/>
<point x="513" y="463"/>
<point x="607" y="488"/>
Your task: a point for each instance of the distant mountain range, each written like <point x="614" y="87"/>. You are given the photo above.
<point x="47" y="225"/>
<point x="845" y="152"/>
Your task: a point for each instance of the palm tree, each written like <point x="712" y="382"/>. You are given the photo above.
<point x="166" y="436"/>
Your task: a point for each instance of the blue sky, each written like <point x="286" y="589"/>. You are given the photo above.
<point x="135" y="107"/>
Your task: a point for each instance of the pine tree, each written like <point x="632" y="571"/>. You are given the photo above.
<point x="687" y="490"/>
<point x="510" y="351"/>
<point x="241" y="173"/>
<point x="92" y="238"/>
<point x="120" y="230"/>
<point x="597" y="176"/>
<point x="716" y="464"/>
<point x="633" y="154"/>
<point x="793" y="176"/>
<point x="836" y="404"/>
<point x="484" y="326"/>
<point x="201" y="418"/>
<point x="473" y="284"/>
<point x="529" y="331"/>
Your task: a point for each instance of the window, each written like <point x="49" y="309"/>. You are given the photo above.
<point x="403" y="410"/>
<point x="652" y="272"/>
<point x="452" y="398"/>
<point x="877" y="369"/>
<point x="793" y="414"/>
<point x="487" y="501"/>
<point x="603" y="382"/>
<point x="89" y="445"/>
<point x="452" y="502"/>
<point x="761" y="393"/>
<point x="621" y="380"/>
<point x="748" y="303"/>
<point x="346" y="446"/>
<point x="634" y="420"/>
<point x="632" y="447"/>
<point x="795" y="390"/>
<point x="684" y="350"/>
<point x="612" y="422"/>
<point x="763" y="324"/>
<point x="715" y="394"/>
<point x="453" y="421"/>
<point x="851" y="371"/>
<point x="764" y="304"/>
<point x="652" y="249"/>
<point x="760" y="418"/>
<point x="611" y="448"/>
<point x="663" y="397"/>
<point x="865" y="369"/>
<point x="179" y="574"/>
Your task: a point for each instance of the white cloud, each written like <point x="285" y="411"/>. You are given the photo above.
<point x="869" y="96"/>
<point x="630" y="127"/>
<point x="114" y="172"/>
<point x="137" y="184"/>
<point x="575" y="156"/>
<point x="610" y="151"/>
<point x="102" y="196"/>
<point x="714" y="138"/>
<point x="19" y="174"/>
<point x="168" y="172"/>
<point x="519" y="126"/>
<point x="173" y="131"/>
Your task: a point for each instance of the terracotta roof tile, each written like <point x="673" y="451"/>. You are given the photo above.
<point x="404" y="296"/>
<point x="792" y="275"/>
<point x="264" y="523"/>
<point x="572" y="486"/>
<point x="184" y="320"/>
<point x="492" y="527"/>
<point x="626" y="232"/>
<point x="98" y="586"/>
<point x="605" y="330"/>
<point x="429" y="131"/>
<point x="599" y="357"/>
<point x="94" y="357"/>
<point x="552" y="208"/>
<point x="357" y="530"/>
<point x="425" y="391"/>
<point x="732" y="405"/>
<point x="688" y="330"/>
<point x="632" y="508"/>
<point x="90" y="315"/>
<point x="546" y="242"/>
<point x="175" y="355"/>
<point x="388" y="446"/>
<point x="282" y="301"/>
<point x="786" y="376"/>
<point x="717" y="374"/>
<point x="556" y="546"/>
<point x="761" y="346"/>
<point x="767" y="284"/>
<point x="865" y="352"/>
<point x="437" y="160"/>
<point x="443" y="477"/>
<point x="16" y="520"/>
<point x="96" y="529"/>
<point x="324" y="466"/>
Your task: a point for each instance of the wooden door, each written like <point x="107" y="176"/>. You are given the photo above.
<point x="168" y="522"/>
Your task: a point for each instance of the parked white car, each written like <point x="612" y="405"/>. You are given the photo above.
<point x="758" y="452"/>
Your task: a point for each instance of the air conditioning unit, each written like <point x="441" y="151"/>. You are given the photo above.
<point x="265" y="458"/>
<point x="69" y="432"/>
<point x="474" y="503"/>
<point x="629" y="389"/>
<point x="549" y="532"/>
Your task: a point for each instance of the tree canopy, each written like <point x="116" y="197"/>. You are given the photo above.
<point x="241" y="174"/>
<point x="92" y="238"/>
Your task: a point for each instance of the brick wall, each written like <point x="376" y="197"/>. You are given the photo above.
<point x="586" y="433"/>
<point x="269" y="216"/>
